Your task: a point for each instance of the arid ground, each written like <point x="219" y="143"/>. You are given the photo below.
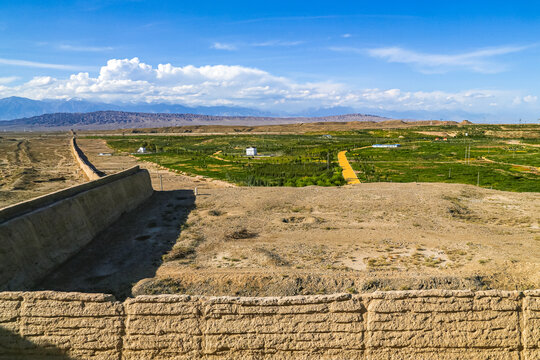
<point x="311" y="240"/>
<point x="35" y="164"/>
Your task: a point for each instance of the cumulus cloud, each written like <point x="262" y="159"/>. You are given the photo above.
<point x="130" y="80"/>
<point x="477" y="61"/>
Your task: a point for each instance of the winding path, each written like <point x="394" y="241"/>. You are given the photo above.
<point x="348" y="172"/>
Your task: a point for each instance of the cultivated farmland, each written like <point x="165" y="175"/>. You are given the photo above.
<point x="494" y="157"/>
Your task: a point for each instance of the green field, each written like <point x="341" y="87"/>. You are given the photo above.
<point x="285" y="160"/>
<point x="491" y="164"/>
<point x="496" y="161"/>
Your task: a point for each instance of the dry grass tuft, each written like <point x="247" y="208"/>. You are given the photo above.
<point x="241" y="234"/>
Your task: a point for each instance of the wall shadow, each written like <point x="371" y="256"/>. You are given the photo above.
<point x="129" y="250"/>
<point x="15" y="347"/>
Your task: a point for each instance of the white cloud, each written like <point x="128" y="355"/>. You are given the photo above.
<point x="223" y="46"/>
<point x="477" y="61"/>
<point x="130" y="80"/>
<point x="530" y="99"/>
<point x="34" y="64"/>
<point x="346" y="36"/>
<point x="277" y="43"/>
<point x="8" y="79"/>
<point x="268" y="43"/>
<point x="81" y="48"/>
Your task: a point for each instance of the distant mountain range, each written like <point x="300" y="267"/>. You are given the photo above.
<point x="17" y="113"/>
<point x="19" y="107"/>
<point x="123" y="120"/>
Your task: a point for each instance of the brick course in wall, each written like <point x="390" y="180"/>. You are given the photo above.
<point x="435" y="324"/>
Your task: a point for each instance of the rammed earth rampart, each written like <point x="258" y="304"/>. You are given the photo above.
<point x="38" y="235"/>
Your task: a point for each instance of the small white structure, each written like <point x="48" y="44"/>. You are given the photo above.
<point x="386" y="145"/>
<point x="251" y="151"/>
<point x="141" y="150"/>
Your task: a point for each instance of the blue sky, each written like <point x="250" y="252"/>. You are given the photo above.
<point x="451" y="60"/>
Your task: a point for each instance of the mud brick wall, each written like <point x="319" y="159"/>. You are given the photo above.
<point x="50" y="325"/>
<point x="433" y="324"/>
<point x="531" y="324"/>
<point x="243" y="328"/>
<point x="466" y="325"/>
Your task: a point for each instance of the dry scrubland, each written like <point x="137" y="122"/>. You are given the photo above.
<point x="35" y="164"/>
<point x="286" y="241"/>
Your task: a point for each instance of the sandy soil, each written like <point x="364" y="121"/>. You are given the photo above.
<point x="286" y="241"/>
<point x="35" y="164"/>
<point x="268" y="241"/>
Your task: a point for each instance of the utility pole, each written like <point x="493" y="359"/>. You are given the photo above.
<point x="478" y="179"/>
<point x="328" y="160"/>
<point x="161" y="181"/>
<point x="449" y="173"/>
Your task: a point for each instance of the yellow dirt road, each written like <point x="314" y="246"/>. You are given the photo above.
<point x="348" y="172"/>
<point x="215" y="156"/>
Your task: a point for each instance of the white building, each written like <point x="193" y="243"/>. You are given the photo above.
<point x="386" y="145"/>
<point x="251" y="151"/>
<point x="141" y="150"/>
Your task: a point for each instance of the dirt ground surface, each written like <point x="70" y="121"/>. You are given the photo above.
<point x="35" y="164"/>
<point x="285" y="241"/>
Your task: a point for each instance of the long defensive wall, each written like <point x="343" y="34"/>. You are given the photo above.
<point x="37" y="235"/>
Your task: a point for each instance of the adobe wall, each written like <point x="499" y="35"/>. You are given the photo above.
<point x="40" y="234"/>
<point x="435" y="324"/>
<point x="88" y="169"/>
